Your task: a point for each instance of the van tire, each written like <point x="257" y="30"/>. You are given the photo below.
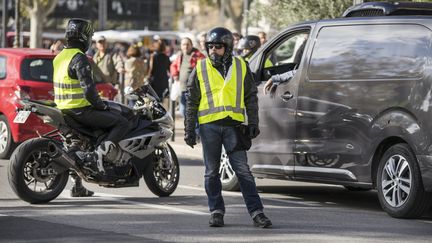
<point x="7" y="144"/>
<point x="397" y="174"/>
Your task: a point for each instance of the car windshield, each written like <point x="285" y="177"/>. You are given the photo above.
<point x="41" y="69"/>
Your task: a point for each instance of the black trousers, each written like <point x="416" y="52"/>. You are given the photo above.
<point x="90" y="117"/>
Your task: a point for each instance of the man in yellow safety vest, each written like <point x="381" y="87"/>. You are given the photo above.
<point x="221" y="89"/>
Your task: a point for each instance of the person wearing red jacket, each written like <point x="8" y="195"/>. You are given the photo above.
<point x="182" y="67"/>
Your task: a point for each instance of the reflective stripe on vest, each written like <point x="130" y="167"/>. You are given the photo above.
<point x="69" y="96"/>
<point x="66" y="86"/>
<point x="216" y="102"/>
<point x="68" y="93"/>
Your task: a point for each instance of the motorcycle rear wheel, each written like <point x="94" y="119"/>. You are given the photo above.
<point x="163" y="174"/>
<point x="30" y="175"/>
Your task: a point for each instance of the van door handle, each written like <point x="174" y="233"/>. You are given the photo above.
<point x="287" y="96"/>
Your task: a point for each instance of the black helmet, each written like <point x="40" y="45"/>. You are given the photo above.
<point x="222" y="36"/>
<point x="80" y="30"/>
<point x="251" y="43"/>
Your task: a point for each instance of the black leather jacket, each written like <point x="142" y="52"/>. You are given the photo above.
<point x="194" y="97"/>
<point x="80" y="68"/>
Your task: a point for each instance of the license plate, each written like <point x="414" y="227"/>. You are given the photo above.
<point x="22" y="116"/>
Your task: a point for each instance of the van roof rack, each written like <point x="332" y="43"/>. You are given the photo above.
<point x="388" y="8"/>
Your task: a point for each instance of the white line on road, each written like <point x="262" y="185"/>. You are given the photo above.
<point x="312" y="204"/>
<point x="424" y="221"/>
<point x="3" y="215"/>
<point x="122" y="198"/>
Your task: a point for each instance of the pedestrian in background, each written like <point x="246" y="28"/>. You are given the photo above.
<point x="201" y="39"/>
<point x="92" y="50"/>
<point x="221" y="89"/>
<point x="135" y="71"/>
<point x="236" y="40"/>
<point x="159" y="65"/>
<point x="182" y="67"/>
<point x="109" y="64"/>
<point x="263" y="37"/>
<point x="57" y="46"/>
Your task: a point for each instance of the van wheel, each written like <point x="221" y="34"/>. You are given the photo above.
<point x="399" y="184"/>
<point x="227" y="175"/>
<point x="7" y="144"/>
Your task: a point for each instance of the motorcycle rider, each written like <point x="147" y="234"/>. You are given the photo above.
<point x="248" y="45"/>
<point x="76" y="95"/>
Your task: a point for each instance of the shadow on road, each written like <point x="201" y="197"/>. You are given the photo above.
<point x="333" y="196"/>
<point x="190" y="162"/>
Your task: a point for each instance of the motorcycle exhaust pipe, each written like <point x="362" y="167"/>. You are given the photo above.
<point x="60" y="157"/>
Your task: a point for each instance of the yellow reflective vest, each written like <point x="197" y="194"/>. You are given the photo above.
<point x="221" y="97"/>
<point x="267" y="62"/>
<point x="68" y="93"/>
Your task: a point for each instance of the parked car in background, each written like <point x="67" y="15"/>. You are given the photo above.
<point x="358" y="110"/>
<point x="27" y="74"/>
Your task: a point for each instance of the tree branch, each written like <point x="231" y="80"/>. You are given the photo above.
<point x="51" y="6"/>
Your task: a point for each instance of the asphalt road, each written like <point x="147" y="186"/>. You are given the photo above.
<point x="300" y="212"/>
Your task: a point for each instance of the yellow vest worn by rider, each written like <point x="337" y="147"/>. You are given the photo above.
<point x="267" y="62"/>
<point x="68" y="92"/>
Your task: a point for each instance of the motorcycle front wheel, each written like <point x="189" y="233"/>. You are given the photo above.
<point x="163" y="174"/>
<point x="31" y="174"/>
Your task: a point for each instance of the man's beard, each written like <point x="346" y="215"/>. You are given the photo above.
<point x="216" y="60"/>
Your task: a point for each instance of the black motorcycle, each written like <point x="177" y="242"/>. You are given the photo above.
<point x="39" y="168"/>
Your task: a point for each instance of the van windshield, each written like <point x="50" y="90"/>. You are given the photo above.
<point x="41" y="69"/>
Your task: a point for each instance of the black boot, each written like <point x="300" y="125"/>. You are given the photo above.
<point x="260" y="220"/>
<point x="78" y="189"/>
<point x="216" y="220"/>
<point x="81" y="192"/>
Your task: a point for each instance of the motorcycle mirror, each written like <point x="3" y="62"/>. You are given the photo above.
<point x="129" y="93"/>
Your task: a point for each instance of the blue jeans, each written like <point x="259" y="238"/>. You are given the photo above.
<point x="182" y="104"/>
<point x="212" y="138"/>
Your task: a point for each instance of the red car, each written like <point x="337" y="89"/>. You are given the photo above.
<point x="27" y="74"/>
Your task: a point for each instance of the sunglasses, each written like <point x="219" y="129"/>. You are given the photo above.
<point x="217" y="46"/>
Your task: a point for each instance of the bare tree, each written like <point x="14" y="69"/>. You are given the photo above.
<point x="230" y="9"/>
<point x="37" y="11"/>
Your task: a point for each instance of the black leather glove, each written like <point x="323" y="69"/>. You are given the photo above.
<point x="190" y="139"/>
<point x="253" y="131"/>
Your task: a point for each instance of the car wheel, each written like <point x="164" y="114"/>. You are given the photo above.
<point x="399" y="184"/>
<point x="227" y="175"/>
<point x="6" y="141"/>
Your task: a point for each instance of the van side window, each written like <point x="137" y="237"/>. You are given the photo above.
<point x="3" y="67"/>
<point x="286" y="55"/>
<point x="370" y="52"/>
<point x="288" y="50"/>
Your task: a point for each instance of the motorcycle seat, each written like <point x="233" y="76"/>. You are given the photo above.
<point x="81" y="128"/>
<point x="45" y="102"/>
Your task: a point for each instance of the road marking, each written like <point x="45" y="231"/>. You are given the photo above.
<point x="425" y="221"/>
<point x="122" y="198"/>
<point x="312" y="204"/>
<point x="3" y="215"/>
